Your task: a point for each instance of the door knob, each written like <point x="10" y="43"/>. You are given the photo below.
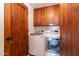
<point x="9" y="39"/>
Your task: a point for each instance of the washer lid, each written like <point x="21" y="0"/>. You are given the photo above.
<point x="52" y="35"/>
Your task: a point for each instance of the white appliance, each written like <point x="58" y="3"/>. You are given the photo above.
<point x="52" y="41"/>
<point x="36" y="45"/>
<point x="39" y="43"/>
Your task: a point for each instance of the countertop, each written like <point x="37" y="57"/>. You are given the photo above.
<point x="36" y="34"/>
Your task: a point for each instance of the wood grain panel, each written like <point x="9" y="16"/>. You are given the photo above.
<point x="75" y="38"/>
<point x="38" y="16"/>
<point x="6" y="28"/>
<point x="14" y="30"/>
<point x="55" y="15"/>
<point x="69" y="29"/>
<point x="18" y="29"/>
<point x="46" y="15"/>
<point x="63" y="29"/>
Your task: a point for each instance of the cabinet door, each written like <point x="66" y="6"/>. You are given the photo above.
<point x="46" y="12"/>
<point x="46" y="15"/>
<point x="54" y="14"/>
<point x="38" y="17"/>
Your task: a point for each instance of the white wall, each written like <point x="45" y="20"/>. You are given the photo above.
<point x="30" y="18"/>
<point x="1" y="29"/>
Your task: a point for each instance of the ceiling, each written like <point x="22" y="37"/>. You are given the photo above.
<point x="38" y="5"/>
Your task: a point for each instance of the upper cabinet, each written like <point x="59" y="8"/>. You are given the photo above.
<point x="37" y="16"/>
<point x="46" y="15"/>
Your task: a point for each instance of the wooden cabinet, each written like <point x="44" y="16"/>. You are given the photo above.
<point x="46" y="15"/>
<point x="46" y="19"/>
<point x="16" y="29"/>
<point x="69" y="26"/>
<point x="38" y="16"/>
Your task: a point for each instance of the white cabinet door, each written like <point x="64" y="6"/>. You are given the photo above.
<point x="36" y="45"/>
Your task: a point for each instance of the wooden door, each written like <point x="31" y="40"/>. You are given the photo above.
<point x="65" y="26"/>
<point x="7" y="15"/>
<point x="69" y="25"/>
<point x="18" y="30"/>
<point x="75" y="29"/>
